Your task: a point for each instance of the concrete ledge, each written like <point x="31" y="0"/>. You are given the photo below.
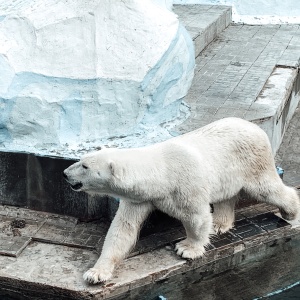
<point x="203" y="22"/>
<point x="276" y="104"/>
<point x="229" y="277"/>
<point x="55" y="269"/>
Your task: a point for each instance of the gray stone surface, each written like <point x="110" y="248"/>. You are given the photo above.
<point x="232" y="71"/>
<point x="47" y="227"/>
<point x="13" y="246"/>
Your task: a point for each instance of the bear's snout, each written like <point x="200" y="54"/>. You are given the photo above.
<point x="75" y="185"/>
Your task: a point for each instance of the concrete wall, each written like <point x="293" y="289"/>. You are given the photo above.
<point x="258" y="11"/>
<point x="36" y="182"/>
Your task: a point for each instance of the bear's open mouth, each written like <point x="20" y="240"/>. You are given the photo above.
<point x="77" y="186"/>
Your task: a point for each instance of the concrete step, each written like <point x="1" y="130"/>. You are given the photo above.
<point x="274" y="107"/>
<point x="203" y="22"/>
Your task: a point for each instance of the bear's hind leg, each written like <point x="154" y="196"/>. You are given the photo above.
<point x="287" y="200"/>
<point x="198" y="228"/>
<point x="292" y="210"/>
<point x="223" y="215"/>
<point x="275" y="192"/>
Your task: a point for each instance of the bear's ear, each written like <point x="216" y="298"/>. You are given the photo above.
<point x="115" y="170"/>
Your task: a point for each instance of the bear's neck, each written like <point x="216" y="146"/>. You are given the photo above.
<point x="143" y="178"/>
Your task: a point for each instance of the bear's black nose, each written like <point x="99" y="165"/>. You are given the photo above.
<point x="65" y="175"/>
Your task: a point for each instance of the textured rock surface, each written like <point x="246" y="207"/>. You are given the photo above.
<point x="80" y="73"/>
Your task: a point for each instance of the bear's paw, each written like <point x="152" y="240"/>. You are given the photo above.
<point x="189" y="250"/>
<point x="220" y="228"/>
<point x="94" y="276"/>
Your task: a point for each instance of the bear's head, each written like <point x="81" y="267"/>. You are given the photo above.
<point x="94" y="173"/>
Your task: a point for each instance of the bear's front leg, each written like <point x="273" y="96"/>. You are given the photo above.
<point x="223" y="215"/>
<point x="120" y="239"/>
<point x="198" y="228"/>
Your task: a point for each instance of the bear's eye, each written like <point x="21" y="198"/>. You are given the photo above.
<point x="84" y="166"/>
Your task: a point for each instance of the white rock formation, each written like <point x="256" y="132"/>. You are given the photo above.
<point x="78" y="72"/>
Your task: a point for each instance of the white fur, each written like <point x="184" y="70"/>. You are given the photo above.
<point x="181" y="177"/>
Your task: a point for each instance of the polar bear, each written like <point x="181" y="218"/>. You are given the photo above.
<point x="182" y="177"/>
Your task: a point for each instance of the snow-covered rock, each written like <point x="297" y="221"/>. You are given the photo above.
<point x="80" y="73"/>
